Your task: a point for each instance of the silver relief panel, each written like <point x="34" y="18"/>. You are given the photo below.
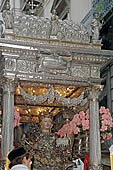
<point x="95" y="72"/>
<point x="10" y="64"/>
<point x="80" y="71"/>
<point x="53" y="64"/>
<point x="26" y="66"/>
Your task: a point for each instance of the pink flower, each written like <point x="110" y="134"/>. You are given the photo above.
<point x="60" y="133"/>
<point x="102" y="141"/>
<point x="111" y="124"/>
<point x="82" y="115"/>
<point x="78" y="122"/>
<point x="105" y="116"/>
<point x="87" y="116"/>
<point x="103" y="128"/>
<point x="76" y="131"/>
<point x="87" y="111"/>
<point x="104" y="136"/>
<point x="107" y="110"/>
<point x="109" y="136"/>
<point x="72" y="124"/>
<point x="77" y="119"/>
<point x="85" y="124"/>
<point x="102" y="109"/>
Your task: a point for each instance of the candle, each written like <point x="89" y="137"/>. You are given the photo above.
<point x="111" y="156"/>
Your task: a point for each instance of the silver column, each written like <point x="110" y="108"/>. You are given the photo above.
<point x="95" y="146"/>
<point x="8" y="118"/>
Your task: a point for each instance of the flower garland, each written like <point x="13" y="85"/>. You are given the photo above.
<point x="80" y="124"/>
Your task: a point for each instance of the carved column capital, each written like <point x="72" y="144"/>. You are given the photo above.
<point x="7" y="83"/>
<point x="94" y="92"/>
<point x="96" y="167"/>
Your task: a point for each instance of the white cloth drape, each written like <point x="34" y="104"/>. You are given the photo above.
<point x="79" y="167"/>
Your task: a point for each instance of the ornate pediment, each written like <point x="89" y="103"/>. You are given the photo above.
<point x="39" y="27"/>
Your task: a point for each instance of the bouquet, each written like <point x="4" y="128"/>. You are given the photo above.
<point x="80" y="124"/>
<point x="106" y="124"/>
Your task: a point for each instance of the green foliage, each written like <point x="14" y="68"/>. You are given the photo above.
<point x="100" y="8"/>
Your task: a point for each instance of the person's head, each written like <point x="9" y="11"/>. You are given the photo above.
<point x="19" y="156"/>
<point x="46" y="122"/>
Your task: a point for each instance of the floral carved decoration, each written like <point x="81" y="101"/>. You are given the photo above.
<point x="80" y="124"/>
<point x="50" y="96"/>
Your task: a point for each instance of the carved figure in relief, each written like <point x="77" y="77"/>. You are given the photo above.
<point x="96" y="26"/>
<point x="54" y="24"/>
<point x="40" y="27"/>
<point x="48" y="155"/>
<point x="8" y="17"/>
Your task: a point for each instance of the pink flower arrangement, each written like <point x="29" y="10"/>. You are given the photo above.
<point x="80" y="124"/>
<point x="16" y="117"/>
<point x="106" y="124"/>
